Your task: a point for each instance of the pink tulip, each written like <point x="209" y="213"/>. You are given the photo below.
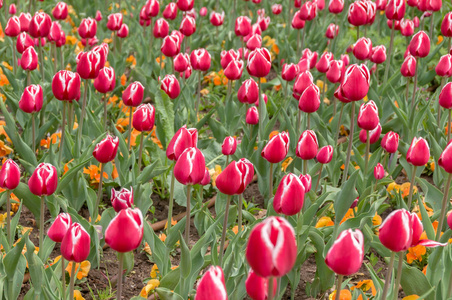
<point x="346" y="255"/>
<point x="75" y="245"/>
<point x="125" y="231"/>
<point x="289" y="196"/>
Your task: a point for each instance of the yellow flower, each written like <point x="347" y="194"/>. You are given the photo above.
<point x="78" y="295"/>
<point x="4" y="150"/>
<point x="286" y="163"/>
<point x="204" y="92"/>
<point x="154" y="271"/>
<point x="320" y="84"/>
<point x="376" y="220"/>
<point x="150" y="286"/>
<point x="365" y="285"/>
<point x="3" y="219"/>
<point x="411" y="297"/>
<point x="7" y="65"/>
<point x="83" y="268"/>
<point x="214" y="174"/>
<point x="147" y="249"/>
<point x="324" y="222"/>
<point x="405" y="188"/>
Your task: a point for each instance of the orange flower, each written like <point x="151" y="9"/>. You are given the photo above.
<point x="273" y="133"/>
<point x="123" y="79"/>
<point x="344" y="295"/>
<point x="131" y="60"/>
<point x="324" y="222"/>
<point x="365" y="285"/>
<point x="66" y="167"/>
<point x="4" y="150"/>
<point x="53" y="139"/>
<point x="440" y="39"/>
<point x="349" y="215"/>
<point x="71" y="40"/>
<point x="94" y="173"/>
<point x="415" y="253"/>
<point x="286" y="163"/>
<point x="133" y="137"/>
<point x="112" y="99"/>
<point x="155" y="139"/>
<point x="114" y="173"/>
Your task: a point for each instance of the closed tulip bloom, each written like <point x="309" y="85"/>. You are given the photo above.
<point x="12" y="28"/>
<point x="390" y="142"/>
<point x="307" y="182"/>
<point x="374" y="135"/>
<point x="103" y="50"/>
<point x="23" y="42"/>
<point x="357" y="13"/>
<point x="98" y="16"/>
<point x="87" y="28"/>
<point x="144" y="118"/>
<point x="188" y="26"/>
<point x="297" y="23"/>
<point x="9" y="175"/>
<point x="308" y="11"/>
<point x="181" y="62"/>
<point x="235" y="177"/>
<point x="105" y="151"/>
<point x="257" y="287"/>
<point x="242" y="26"/>
<point x="89" y="64"/>
<point x="185" y="5"/>
<point x="170" y="11"/>
<point x="152" y="8"/>
<point x="334" y="73"/>
<point x="429" y="6"/>
<point x="122" y="199"/>
<point x="368" y="116"/>
<point x="55" y="32"/>
<point x="254" y="42"/>
<point x="289" y="196"/>
<point x="336" y="6"/>
<point x="379" y="172"/>
<point x="311" y="56"/>
<point x="324" y="62"/>
<point x="106" y="81"/>
<point x="229" y="145"/>
<point x="446" y="25"/>
<point x="419" y="152"/>
<point x="170" y="45"/>
<point x="406" y="27"/>
<point x="378" y="54"/>
<point x="190" y="166"/>
<point x="252" y="116"/>
<point x="66" y="85"/>
<point x="444" y="66"/>
<point x="32" y="99"/>
<point x="234" y="70"/>
<point x="183" y="139"/>
<point x="170" y="85"/>
<point x="59" y="227"/>
<point x="200" y="59"/>
<point x="445" y="97"/>
<point x="310" y="99"/>
<point x="277" y="148"/>
<point x="44" y="180"/>
<point x="395" y="231"/>
<point x="114" y="21"/>
<point x="271" y="249"/>
<point x="211" y="285"/>
<point x="60" y="11"/>
<point x="216" y="18"/>
<point x="289" y="71"/>
<point x="248" y="91"/>
<point x="362" y="48"/>
<point x="381" y="4"/>
<point x="12" y="9"/>
<point x="133" y="94"/>
<point x="228" y="56"/>
<point x="395" y="9"/>
<point x="420" y="44"/>
<point x="40" y="25"/>
<point x="263" y="22"/>
<point x="76" y="243"/>
<point x="161" y="28"/>
<point x="276" y="9"/>
<point x="355" y="82"/>
<point x="445" y="160"/>
<point x="125" y="231"/>
<point x="307" y="145"/>
<point x="29" y="59"/>
<point x="206" y="179"/>
<point x="412" y="3"/>
<point x="332" y="31"/>
<point x="346" y="255"/>
<point x="123" y="32"/>
<point x="408" y="68"/>
<point x="303" y="80"/>
<point x="325" y="154"/>
<point x="62" y="41"/>
<point x="25" y="19"/>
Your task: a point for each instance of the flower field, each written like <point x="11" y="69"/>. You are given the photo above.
<point x="211" y="150"/>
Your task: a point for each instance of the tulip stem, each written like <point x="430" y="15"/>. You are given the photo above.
<point x="302" y="39"/>
<point x="14" y="55"/>
<point x="333" y="48"/>
<point x="323" y="88"/>
<point x="339" y="284"/>
<point x="140" y="152"/>
<point x="260" y="108"/>
<point x="407" y="89"/>
<point x="448" y="125"/>
<point x="187" y="217"/>
<point x="33" y="131"/>
<point x="72" y="281"/>
<point x="99" y="194"/>
<point x="431" y="26"/>
<point x="443" y="207"/>
<point x="41" y="223"/>
<point x="318" y="179"/>
<point x="55" y="61"/>
<point x="399" y="275"/>
<point x="129" y="139"/>
<point x="410" y="195"/>
<point x="41" y="59"/>
<point x="223" y="234"/>
<point x="198" y="97"/>
<point x="388" y="276"/>
<point x="413" y="97"/>
<point x="438" y="107"/>
<point x="240" y="205"/>
<point x="70" y="114"/>
<point x="271" y="180"/>
<point x="299" y="120"/>
<point x="227" y="161"/>
<point x="449" y="291"/>
<point x="8" y="218"/>
<point x="350" y="142"/>
<point x="62" y="133"/>
<point x="366" y="165"/>
<point x="82" y="116"/>
<point x="63" y="279"/>
<point x="339" y="122"/>
<point x="357" y="32"/>
<point x="270" y="288"/>
<point x="120" y="274"/>
<point x="171" y="203"/>
<point x="388" y="60"/>
<point x="308" y="121"/>
<point x="105" y="111"/>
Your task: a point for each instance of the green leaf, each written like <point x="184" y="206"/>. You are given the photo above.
<point x="15" y="263"/>
<point x="345" y="198"/>
<point x="165" y="116"/>
<point x="70" y="174"/>
<point x="185" y="264"/>
<point x="31" y="201"/>
<point x="414" y="282"/>
<point x="166" y="294"/>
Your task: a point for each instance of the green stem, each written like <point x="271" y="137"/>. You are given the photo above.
<point x="350" y="142"/>
<point x="99" y="194"/>
<point x="72" y="281"/>
<point x="187" y="217"/>
<point x="120" y="275"/>
<point x="271" y="180"/>
<point x="63" y="133"/>
<point x="366" y="165"/>
<point x="129" y="139"/>
<point x="41" y="60"/>
<point x="140" y="152"/>
<point x="105" y="111"/>
<point x="388" y="60"/>
<point x="8" y="218"/>
<point x="270" y="288"/>
<point x="198" y="97"/>
<point x="308" y="122"/>
<point x="339" y="284"/>
<point x="443" y="207"/>
<point x="438" y="107"/>
<point x="261" y="114"/>
<point x="323" y="88"/>
<point x="82" y="116"/>
<point x="33" y="131"/>
<point x="240" y="205"/>
<point x="431" y="26"/>
<point x="63" y="278"/>
<point x="413" y="97"/>
<point x="399" y="275"/>
<point x="171" y="203"/>
<point x="41" y="223"/>
<point x="223" y="234"/>
<point x="318" y="179"/>
<point x="410" y="195"/>
<point x="14" y="55"/>
<point x="448" y="125"/>
<point x="388" y="276"/>
<point x="339" y="122"/>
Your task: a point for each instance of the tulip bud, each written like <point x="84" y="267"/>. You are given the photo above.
<point x="144" y="118"/>
<point x="311" y="56"/>
<point x="445" y="160"/>
<point x="257" y="287"/>
<point x="408" y="68"/>
<point x="395" y="9"/>
<point x="336" y="6"/>
<point x="351" y="242"/>
<point x="25" y="19"/>
<point x="125" y="231"/>
<point x="170" y="45"/>
<point x="334" y="73"/>
<point x="88" y="64"/>
<point x="446" y="25"/>
<point x="303" y="80"/>
<point x="122" y="199"/>
<point x="374" y="135"/>
<point x="12" y="28"/>
<point x="259" y="62"/>
<point x="12" y="9"/>
<point x="228" y="56"/>
<point x="362" y="48"/>
<point x="60" y="11"/>
<point x="123" y="32"/>
<point x="216" y="18"/>
<point x="444" y="66"/>
<point x="23" y="42"/>
<point x="272" y="256"/>
<point x="378" y="54"/>
<point x="9" y="175"/>
<point x="229" y="145"/>
<point x="277" y="148"/>
<point x="297" y="23"/>
<point x="55" y="32"/>
<point x="185" y="5"/>
<point x="379" y="172"/>
<point x="289" y="196"/>
<point x="29" y="60"/>
<point x="206" y="179"/>
<point x="406" y="27"/>
<point x="211" y="285"/>
<point x="445" y="97"/>
<point x="66" y="85"/>
<point x="332" y="31"/>
<point x="200" y="59"/>
<point x="355" y="82"/>
<point x="106" y="149"/>
<point x="310" y="99"/>
<point x="183" y="139"/>
<point x="252" y="116"/>
<point x="59" y="227"/>
<point x="32" y="99"/>
<point x="325" y="154"/>
<point x="390" y="142"/>
<point x="235" y="177"/>
<point x="242" y="26"/>
<point x="368" y="116"/>
<point x="44" y="180"/>
<point x="170" y="85"/>
<point x="106" y="81"/>
<point x="254" y="42"/>
<point x="419" y="152"/>
<point x="420" y="44"/>
<point x="357" y="13"/>
<point x="234" y="70"/>
<point x="307" y="145"/>
<point x="87" y="28"/>
<point x="324" y="62"/>
<point x="170" y="11"/>
<point x="40" y="25"/>
<point x="188" y="26"/>
<point x="152" y="8"/>
<point x="133" y="94"/>
<point x="114" y="21"/>
<point x="190" y="166"/>
<point x="289" y="72"/>
<point x="248" y="92"/>
<point x="276" y="9"/>
<point x="308" y="11"/>
<point x="161" y="28"/>
<point x="103" y="52"/>
<point x="75" y="245"/>
<point x="449" y="219"/>
<point x="181" y="62"/>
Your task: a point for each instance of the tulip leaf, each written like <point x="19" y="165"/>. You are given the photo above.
<point x="35" y="267"/>
<point x="345" y="198"/>
<point x="164" y="117"/>
<point x="166" y="294"/>
<point x="414" y="282"/>
<point x="70" y="174"/>
<point x="31" y="201"/>
<point x="433" y="195"/>
<point x="15" y="263"/>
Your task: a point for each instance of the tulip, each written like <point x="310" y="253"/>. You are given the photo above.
<point x="324" y="62"/>
<point x="248" y="92"/>
<point x="289" y="72"/>
<point x="185" y="5"/>
<point x="31" y="100"/>
<point x="183" y="139"/>
<point x="170" y="11"/>
<point x="87" y="28"/>
<point x="170" y="85"/>
<point x="60" y="11"/>
<point x="355" y="82"/>
<point x="276" y="9"/>
<point x="419" y="152"/>
<point x="229" y="146"/>
<point x="445" y="96"/>
<point x="242" y="26"/>
<point x="12" y="28"/>
<point x="379" y="172"/>
<point x="390" y="142"/>
<point x="132" y="97"/>
<point x="59" y="227"/>
<point x="310" y="100"/>
<point x="336" y="6"/>
<point x="75" y="245"/>
<point x="307" y="147"/>
<point x="161" y="28"/>
<point x="444" y="66"/>
<point x="308" y="11"/>
<point x="234" y="70"/>
<point x="334" y="73"/>
<point x="152" y="8"/>
<point x="144" y="118"/>
<point x="66" y="85"/>
<point x="395" y="9"/>
<point x="374" y="135"/>
<point x="325" y="154"/>
<point x="200" y="59"/>
<point x="272" y="256"/>
<point x="332" y="31"/>
<point x="406" y="27"/>
<point x="23" y="42"/>
<point x="40" y="25"/>
<point x="277" y="148"/>
<point x="88" y="64"/>
<point x="257" y="287"/>
<point x="211" y="285"/>
<point x="55" y="33"/>
<point x="378" y="55"/>
<point x="228" y="56"/>
<point x="25" y="19"/>
<point x="297" y="23"/>
<point x="310" y="56"/>
<point x="114" y="21"/>
<point x="103" y="50"/>
<point x="9" y="180"/>
<point x="105" y="81"/>
<point x="351" y="242"/>
<point x="357" y="13"/>
<point x="446" y="25"/>
<point x="303" y="80"/>
<point x="408" y="68"/>
<point x="29" y="60"/>
<point x="254" y="42"/>
<point x="289" y="196"/>
<point x="123" y="32"/>
<point x="252" y="116"/>
<point x="216" y="18"/>
<point x="368" y="116"/>
<point x="206" y="179"/>
<point x="181" y="62"/>
<point x="420" y="44"/>
<point x="188" y="26"/>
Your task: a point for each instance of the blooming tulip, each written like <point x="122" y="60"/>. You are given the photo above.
<point x="310" y="99"/>
<point x="276" y="9"/>
<point x="122" y="199"/>
<point x="395" y="9"/>
<point x="248" y="92"/>
<point x="106" y="149"/>
<point x="44" y="180"/>
<point x="332" y="31"/>
<point x="144" y="118"/>
<point x="289" y="196"/>
<point x="40" y="25"/>
<point x="183" y="139"/>
<point x="66" y="85"/>
<point x="259" y="62"/>
<point x="297" y="23"/>
<point x="303" y="80"/>
<point x="75" y="245"/>
<point x="87" y="28"/>
<point x="216" y="18"/>
<point x="357" y="13"/>
<point x="307" y="145"/>
<point x="235" y="177"/>
<point x="125" y="231"/>
<point x="408" y="68"/>
<point x="55" y="32"/>
<point x="32" y="99"/>
<point x="123" y="32"/>
<point x="419" y="152"/>
<point x="181" y="62"/>
<point x="185" y="5"/>
<point x="133" y="94"/>
<point x="114" y="21"/>
<point x="379" y="172"/>
<point x="355" y="82"/>
<point x="390" y="142"/>
<point x="420" y="44"/>
<point x="444" y="66"/>
<point x="60" y="11"/>
<point x="188" y="26"/>
<point x="234" y="70"/>
<point x="378" y="55"/>
<point x="200" y="59"/>
<point x="89" y="64"/>
<point x="334" y="73"/>
<point x="324" y="62"/>
<point x="189" y="167"/>
<point x="336" y="6"/>
<point x="161" y="28"/>
<point x="289" y="72"/>
<point x="406" y="27"/>
<point x="374" y="135"/>
<point x="445" y="96"/>
<point x="29" y="60"/>
<point x="211" y="285"/>
<point x="277" y="148"/>
<point x="25" y="19"/>
<point x="252" y="116"/>
<point x="12" y="28"/>
<point x="229" y="145"/>
<point x="9" y="175"/>
<point x="170" y="11"/>
<point x="446" y="25"/>
<point x="325" y="154"/>
<point x="23" y="42"/>
<point x="257" y="287"/>
<point x="228" y="56"/>
<point x="368" y="116"/>
<point x="346" y="255"/>
<point x="105" y="81"/>
<point x="59" y="227"/>
<point x="242" y="26"/>
<point x="170" y="85"/>
<point x="254" y="42"/>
